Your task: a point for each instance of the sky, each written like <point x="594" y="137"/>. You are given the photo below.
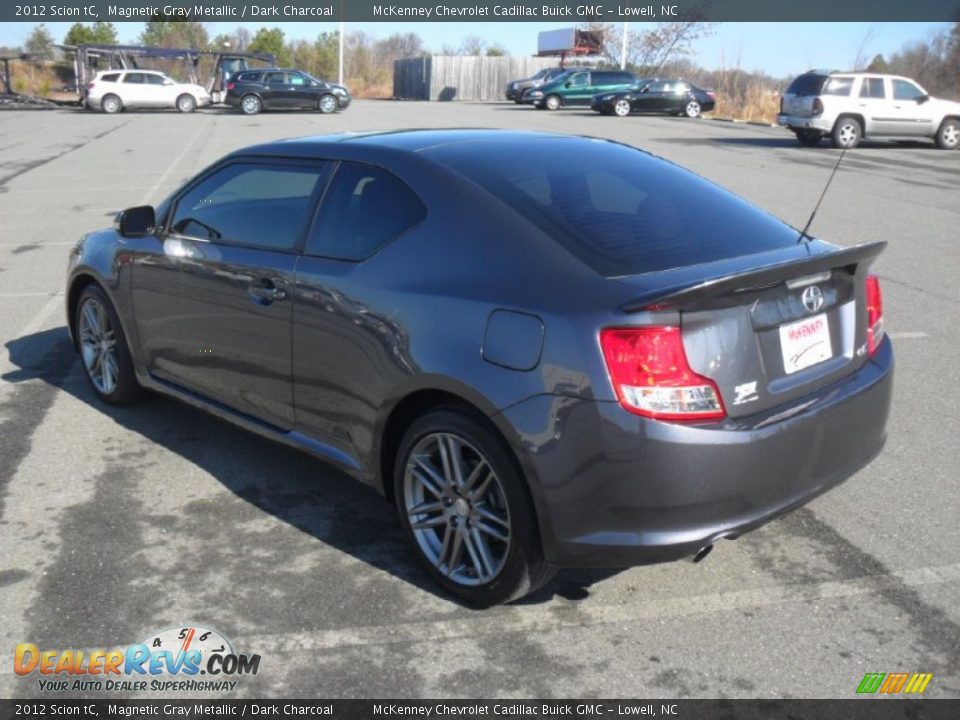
<point x="779" y="49"/>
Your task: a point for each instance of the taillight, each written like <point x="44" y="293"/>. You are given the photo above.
<point x="90" y="85"/>
<point x="231" y="85"/>
<point x="874" y="314"/>
<point x="650" y="374"/>
<point x="817" y="106"/>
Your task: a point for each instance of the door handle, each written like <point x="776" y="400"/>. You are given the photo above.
<point x="267" y="293"/>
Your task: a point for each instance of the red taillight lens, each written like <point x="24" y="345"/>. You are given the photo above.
<point x="231" y="85"/>
<point x="874" y="314"/>
<point x="90" y="85"/>
<point x="650" y="374"/>
<point x="817" y="106"/>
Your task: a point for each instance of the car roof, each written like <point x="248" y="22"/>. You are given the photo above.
<point x="412" y="141"/>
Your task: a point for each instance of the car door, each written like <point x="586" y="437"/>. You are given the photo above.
<point x="874" y="105"/>
<point x="651" y="98"/>
<point x="577" y="89"/>
<point x="275" y="94"/>
<point x="133" y="90"/>
<point x="213" y="306"/>
<point x="302" y="93"/>
<point x="157" y="93"/>
<point x="350" y="347"/>
<point x="911" y="110"/>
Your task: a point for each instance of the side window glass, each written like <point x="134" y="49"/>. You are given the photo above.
<point x="838" y="86"/>
<point x="252" y="204"/>
<point x="872" y="88"/>
<point x="903" y="90"/>
<point x="364" y="208"/>
<point x="134" y="78"/>
<point x="275" y="78"/>
<point x="580" y="80"/>
<point x="296" y="79"/>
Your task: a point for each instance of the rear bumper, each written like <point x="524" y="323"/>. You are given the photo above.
<point x="614" y="490"/>
<point x="797" y="122"/>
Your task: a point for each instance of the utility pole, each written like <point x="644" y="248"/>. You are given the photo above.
<point x="340" y="57"/>
<point x="623" y="47"/>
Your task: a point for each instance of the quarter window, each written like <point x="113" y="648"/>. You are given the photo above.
<point x="112" y="77"/>
<point x="252" y="204"/>
<point x="838" y="86"/>
<point x="872" y="88"/>
<point x="363" y="209"/>
<point x="903" y="90"/>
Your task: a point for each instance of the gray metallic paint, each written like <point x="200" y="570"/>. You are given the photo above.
<point x="609" y="487"/>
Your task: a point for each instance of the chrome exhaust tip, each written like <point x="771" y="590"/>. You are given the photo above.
<point x="702" y="553"/>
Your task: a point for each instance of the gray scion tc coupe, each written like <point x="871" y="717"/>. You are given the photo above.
<point x="545" y="350"/>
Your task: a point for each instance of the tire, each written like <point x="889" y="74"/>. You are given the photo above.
<point x="103" y="349"/>
<point x="327" y="104"/>
<point x="552" y="102"/>
<point x="692" y="109"/>
<point x="948" y="136"/>
<point x="621" y="108"/>
<point x="111" y="104"/>
<point x="483" y="546"/>
<point x="250" y="105"/>
<point x="186" y="103"/>
<point x="809" y="139"/>
<point x="518" y="101"/>
<point x="847" y="133"/>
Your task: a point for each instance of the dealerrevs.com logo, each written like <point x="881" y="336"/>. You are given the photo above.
<point x="191" y="658"/>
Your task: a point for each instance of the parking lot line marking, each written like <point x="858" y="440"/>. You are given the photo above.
<point x="36" y="323"/>
<point x="176" y="161"/>
<point x="33" y="294"/>
<point x="907" y="335"/>
<point x="530" y="619"/>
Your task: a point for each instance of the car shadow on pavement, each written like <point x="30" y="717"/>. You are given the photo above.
<point x="291" y="485"/>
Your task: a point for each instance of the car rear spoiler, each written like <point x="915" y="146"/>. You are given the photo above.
<point x="731" y="289"/>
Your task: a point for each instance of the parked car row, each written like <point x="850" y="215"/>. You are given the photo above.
<point x="249" y="91"/>
<point x="610" y="92"/>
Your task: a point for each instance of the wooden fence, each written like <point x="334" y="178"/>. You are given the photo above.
<point x="461" y="77"/>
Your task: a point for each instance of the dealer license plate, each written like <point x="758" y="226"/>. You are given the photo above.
<point x="805" y="343"/>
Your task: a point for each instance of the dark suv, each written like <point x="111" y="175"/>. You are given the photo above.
<point x="283" y="89"/>
<point x="516" y="88"/>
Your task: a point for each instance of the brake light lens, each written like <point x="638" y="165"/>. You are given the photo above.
<point x="231" y="85"/>
<point x="817" y="106"/>
<point x="90" y="85"/>
<point x="874" y="314"/>
<point x="651" y="376"/>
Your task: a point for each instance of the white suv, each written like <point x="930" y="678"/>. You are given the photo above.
<point x="114" y="90"/>
<point x="852" y="106"/>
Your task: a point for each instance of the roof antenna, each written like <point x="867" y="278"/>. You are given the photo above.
<point x="803" y="233"/>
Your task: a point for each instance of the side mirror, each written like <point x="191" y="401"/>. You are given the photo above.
<point x="568" y="83"/>
<point x="922" y="99"/>
<point x="136" y="222"/>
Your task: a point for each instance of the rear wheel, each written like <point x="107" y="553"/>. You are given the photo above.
<point x="622" y="108"/>
<point x="948" y="136"/>
<point x="327" y="104"/>
<point x="692" y="109"/>
<point x="111" y="104"/>
<point x="846" y="133"/>
<point x="808" y="139"/>
<point x="463" y="505"/>
<point x="251" y="105"/>
<point x="186" y="103"/>
<point x="104" y="350"/>
<point x="552" y="102"/>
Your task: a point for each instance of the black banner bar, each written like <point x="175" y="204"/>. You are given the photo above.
<point x="858" y="709"/>
<point x="281" y="11"/>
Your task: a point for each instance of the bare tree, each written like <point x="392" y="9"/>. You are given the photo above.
<point x="649" y="50"/>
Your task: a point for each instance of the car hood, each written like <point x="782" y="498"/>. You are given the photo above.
<point x="948" y="106"/>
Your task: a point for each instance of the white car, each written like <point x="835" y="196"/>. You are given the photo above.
<point x="115" y="90"/>
<point x="848" y="107"/>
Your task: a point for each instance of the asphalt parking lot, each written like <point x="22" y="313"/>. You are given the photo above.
<point x="115" y="524"/>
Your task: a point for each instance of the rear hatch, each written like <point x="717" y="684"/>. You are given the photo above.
<point x="768" y="328"/>
<point x="798" y="98"/>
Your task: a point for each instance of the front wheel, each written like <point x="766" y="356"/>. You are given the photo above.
<point x="186" y="103"/>
<point x="104" y="350"/>
<point x="948" y="136"/>
<point x="251" y="105"/>
<point x="552" y="102"/>
<point x="692" y="109"/>
<point x="622" y="108"/>
<point x="846" y="133"/>
<point x="464" y="507"/>
<point x="327" y="104"/>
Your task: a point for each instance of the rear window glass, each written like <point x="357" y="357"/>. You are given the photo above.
<point x="806" y="85"/>
<point x="838" y="86"/>
<point x="617" y="209"/>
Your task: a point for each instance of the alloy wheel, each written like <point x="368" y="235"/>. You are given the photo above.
<point x="457" y="509"/>
<point x="328" y="104"/>
<point x="693" y="109"/>
<point x="98" y="346"/>
<point x="848" y="135"/>
<point x="111" y="104"/>
<point x="552" y="103"/>
<point x="622" y="108"/>
<point x="950" y="136"/>
<point x="251" y="105"/>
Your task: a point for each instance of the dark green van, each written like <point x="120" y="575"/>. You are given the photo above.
<point x="577" y="87"/>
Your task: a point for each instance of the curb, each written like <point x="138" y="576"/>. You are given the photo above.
<point x="738" y="121"/>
